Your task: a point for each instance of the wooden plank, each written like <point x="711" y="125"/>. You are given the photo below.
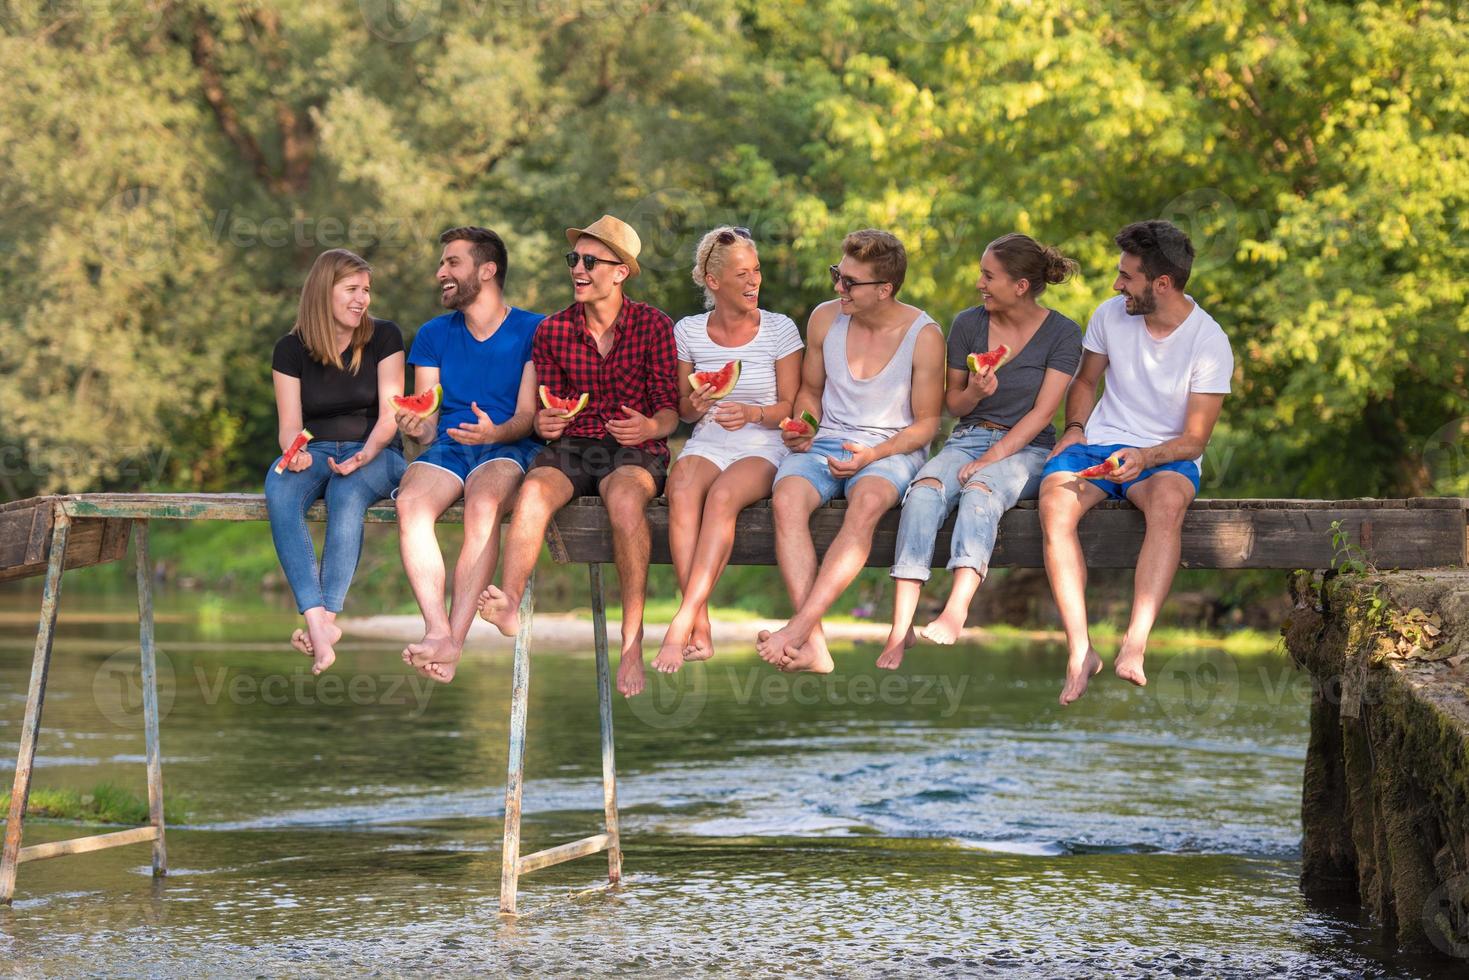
<point x="81" y="845"/>
<point x="1213" y="536"/>
<point x="563" y="852"/>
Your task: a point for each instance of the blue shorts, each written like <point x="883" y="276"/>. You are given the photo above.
<point x="1074" y="459"/>
<point x="811" y="466"/>
<point x="460" y="460"/>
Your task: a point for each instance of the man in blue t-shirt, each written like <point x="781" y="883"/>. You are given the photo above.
<point x="478" y="442"/>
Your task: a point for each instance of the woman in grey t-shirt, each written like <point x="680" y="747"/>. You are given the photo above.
<point x="1004" y="434"/>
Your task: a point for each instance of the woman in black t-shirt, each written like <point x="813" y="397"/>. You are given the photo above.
<point x="335" y="374"/>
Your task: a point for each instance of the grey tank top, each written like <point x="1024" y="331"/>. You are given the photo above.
<point x="875" y="409"/>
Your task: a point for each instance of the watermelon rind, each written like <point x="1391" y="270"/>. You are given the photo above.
<point x="700" y="378"/>
<point x="974" y="361"/>
<point x="564" y="407"/>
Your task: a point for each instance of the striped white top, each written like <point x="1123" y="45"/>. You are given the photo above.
<point x="777" y="337"/>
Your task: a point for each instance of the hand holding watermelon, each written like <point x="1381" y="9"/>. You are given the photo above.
<point x="798" y="433"/>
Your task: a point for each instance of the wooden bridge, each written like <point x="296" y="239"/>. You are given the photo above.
<point x="50" y="535"/>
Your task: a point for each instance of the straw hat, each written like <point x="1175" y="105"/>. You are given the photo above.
<point x="616" y="234"/>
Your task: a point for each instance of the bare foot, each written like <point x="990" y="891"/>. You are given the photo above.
<point x="812" y="656"/>
<point x="701" y="640"/>
<point x="671" y="654"/>
<point x="323" y="638"/>
<point x="301" y="639"/>
<point x="630" y="673"/>
<point x="1078" y="673"/>
<point x="891" y="657"/>
<point x="1129" y="664"/>
<point x="500" y="610"/>
<point x="434" y="648"/>
<point x="946" y="629"/>
<point x="778" y="647"/>
<point x="441" y="671"/>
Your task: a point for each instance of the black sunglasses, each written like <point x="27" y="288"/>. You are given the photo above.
<point x="725" y="239"/>
<point x="848" y="283"/>
<point x="588" y="261"/>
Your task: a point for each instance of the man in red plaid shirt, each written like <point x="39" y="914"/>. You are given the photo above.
<point x="621" y="353"/>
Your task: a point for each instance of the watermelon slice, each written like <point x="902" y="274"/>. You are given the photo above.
<point x="1102" y="470"/>
<point x="803" y="426"/>
<point x="567" y="408"/>
<point x="991" y="360"/>
<point x="297" y="444"/>
<point x="720" y="382"/>
<point x="423" y="404"/>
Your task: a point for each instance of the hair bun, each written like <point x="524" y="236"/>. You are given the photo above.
<point x="1058" y="267"/>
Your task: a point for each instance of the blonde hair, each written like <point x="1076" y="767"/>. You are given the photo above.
<point x="710" y="253"/>
<point x="315" y="325"/>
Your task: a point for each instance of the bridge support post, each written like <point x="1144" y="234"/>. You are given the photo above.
<point x="150" y="696"/>
<point x="20" y="791"/>
<point x="512" y="864"/>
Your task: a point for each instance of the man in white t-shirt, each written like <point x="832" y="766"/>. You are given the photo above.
<point x="1167" y="366"/>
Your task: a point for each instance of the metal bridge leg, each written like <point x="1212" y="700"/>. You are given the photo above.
<point x="604" y="705"/>
<point x="150" y="696"/>
<point x="30" y="729"/>
<point x="514" y="783"/>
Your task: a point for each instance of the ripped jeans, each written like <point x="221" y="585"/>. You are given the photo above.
<point x="990" y="492"/>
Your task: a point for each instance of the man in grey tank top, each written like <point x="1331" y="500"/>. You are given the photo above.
<point x="874" y="375"/>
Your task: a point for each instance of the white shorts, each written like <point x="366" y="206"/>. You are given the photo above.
<point x="722" y="454"/>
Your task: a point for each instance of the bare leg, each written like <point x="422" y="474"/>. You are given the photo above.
<point x="739" y="486"/>
<point x="544" y="491"/>
<point x="626" y="493"/>
<point x="950" y="624"/>
<point x="792" y="503"/>
<point x="425" y="493"/>
<point x="488" y="494"/>
<point x="867" y="500"/>
<point x="1163" y="498"/>
<point x="900" y="637"/>
<point x="1064" y="499"/>
<point x="688" y="483"/>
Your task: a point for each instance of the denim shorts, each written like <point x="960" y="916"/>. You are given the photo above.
<point x="811" y="467"/>
<point x="461" y="460"/>
<point x="1073" y="459"/>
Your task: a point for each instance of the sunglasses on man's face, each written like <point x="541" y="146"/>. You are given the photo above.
<point x="588" y="261"/>
<point x="847" y="283"/>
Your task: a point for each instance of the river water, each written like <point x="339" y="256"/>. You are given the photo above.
<point x="950" y="819"/>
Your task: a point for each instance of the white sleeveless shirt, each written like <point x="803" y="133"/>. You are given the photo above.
<point x="872" y="410"/>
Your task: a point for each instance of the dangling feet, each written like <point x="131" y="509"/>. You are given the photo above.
<point x="701" y="640"/>
<point x="891" y="657"/>
<point x="436" y="656"/>
<point x="500" y="610"/>
<point x="1129" y="663"/>
<point x="319" y="639"/>
<point x="1080" y="671"/>
<point x="946" y="629"/>
<point x="671" y="654"/>
<point x="630" y="667"/>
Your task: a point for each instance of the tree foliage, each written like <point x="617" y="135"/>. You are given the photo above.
<point x="169" y="169"/>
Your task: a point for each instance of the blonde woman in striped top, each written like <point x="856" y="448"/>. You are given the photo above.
<point x="730" y="460"/>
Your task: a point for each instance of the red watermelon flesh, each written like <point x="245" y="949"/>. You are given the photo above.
<point x="567" y="408"/>
<point x="423" y="404"/>
<point x="720" y="382"/>
<point x="803" y="426"/>
<point x="1102" y="470"/>
<point x="990" y="359"/>
<point x="297" y="444"/>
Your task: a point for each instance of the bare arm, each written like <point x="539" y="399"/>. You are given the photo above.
<point x="1082" y="398"/>
<point x="389" y="386"/>
<point x="519" y="425"/>
<point x="787" y="382"/>
<point x="1047" y="400"/>
<point x="415" y="428"/>
<point x="287" y="408"/>
<point x="1202" y="414"/>
<point x="813" y="365"/>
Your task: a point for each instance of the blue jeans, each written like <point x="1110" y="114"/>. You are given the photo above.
<point x="925" y="508"/>
<point x="289" y="495"/>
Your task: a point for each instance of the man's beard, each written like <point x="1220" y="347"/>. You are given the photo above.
<point x="465" y="292"/>
<point x="1144" y="304"/>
